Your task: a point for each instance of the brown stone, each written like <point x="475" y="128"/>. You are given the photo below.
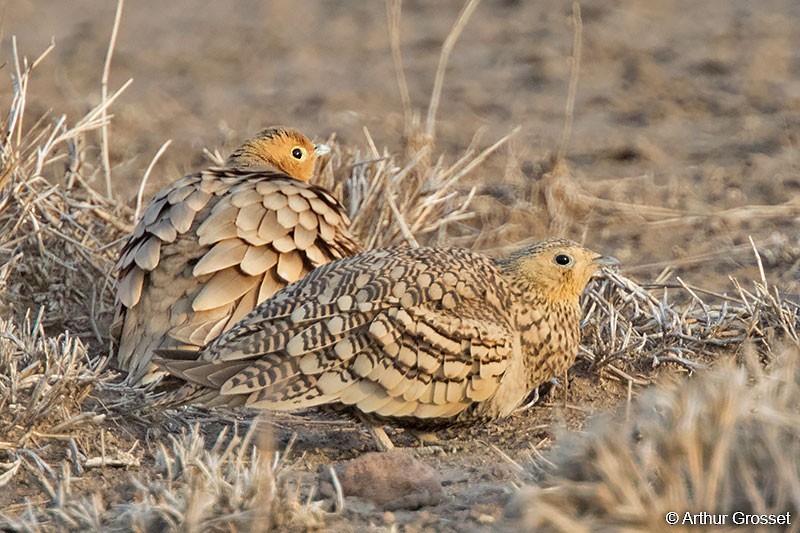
<point x="392" y="480"/>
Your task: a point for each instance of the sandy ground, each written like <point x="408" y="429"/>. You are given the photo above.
<point x="684" y="105"/>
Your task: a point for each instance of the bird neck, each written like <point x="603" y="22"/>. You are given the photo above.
<point x="549" y="334"/>
<point x="244" y="159"/>
<point x="548" y="319"/>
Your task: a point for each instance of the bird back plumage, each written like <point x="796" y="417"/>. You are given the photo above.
<point x="400" y="332"/>
<point x="212" y="246"/>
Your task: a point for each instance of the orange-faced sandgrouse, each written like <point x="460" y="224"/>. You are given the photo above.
<point x="408" y="335"/>
<point x="214" y="244"/>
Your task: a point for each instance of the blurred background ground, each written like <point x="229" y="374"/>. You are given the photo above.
<point x="685" y="105"/>
<point x="685" y="137"/>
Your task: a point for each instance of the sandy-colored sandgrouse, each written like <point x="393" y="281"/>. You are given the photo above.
<point x="419" y="335"/>
<point x="214" y="244"/>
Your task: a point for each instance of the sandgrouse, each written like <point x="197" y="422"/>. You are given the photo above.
<point x="214" y="244"/>
<point x="425" y="336"/>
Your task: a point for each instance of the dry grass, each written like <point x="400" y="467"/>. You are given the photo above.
<point x="229" y="484"/>
<point x="723" y="442"/>
<point x="642" y="328"/>
<point x="57" y="235"/>
<point x="391" y="201"/>
<point x="45" y="380"/>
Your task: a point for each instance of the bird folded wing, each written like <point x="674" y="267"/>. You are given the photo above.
<point x="368" y="333"/>
<point x="142" y="252"/>
<point x="225" y="220"/>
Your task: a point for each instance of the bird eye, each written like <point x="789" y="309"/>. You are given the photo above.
<point x="297" y="153"/>
<point x="563" y="260"/>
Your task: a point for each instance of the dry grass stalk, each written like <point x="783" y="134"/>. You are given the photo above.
<point x="569" y="112"/>
<point x="393" y="10"/>
<point x="444" y="57"/>
<point x="420" y="140"/>
<point x="146" y="176"/>
<point x="104" y="97"/>
<point x="393" y="203"/>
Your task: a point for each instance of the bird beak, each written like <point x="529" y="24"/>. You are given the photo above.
<point x="321" y="149"/>
<point x="606" y="261"/>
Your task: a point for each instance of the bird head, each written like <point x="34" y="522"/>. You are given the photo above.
<point x="556" y="269"/>
<point x="278" y="148"/>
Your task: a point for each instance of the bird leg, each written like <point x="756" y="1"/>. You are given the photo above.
<point x="426" y="441"/>
<point x="425" y="437"/>
<point x="534" y="396"/>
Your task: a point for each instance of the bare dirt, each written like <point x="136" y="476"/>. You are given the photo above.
<point x="688" y="106"/>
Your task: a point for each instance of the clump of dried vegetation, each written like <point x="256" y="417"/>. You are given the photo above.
<point x="60" y="415"/>
<point x="228" y="484"/>
<point x="643" y="327"/>
<point x="724" y="442"/>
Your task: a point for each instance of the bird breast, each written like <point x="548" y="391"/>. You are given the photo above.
<point x="550" y="334"/>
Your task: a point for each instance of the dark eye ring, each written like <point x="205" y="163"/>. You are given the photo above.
<point x="563" y="260"/>
<point x="297" y="153"/>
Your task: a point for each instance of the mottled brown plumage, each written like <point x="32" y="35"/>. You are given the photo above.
<point x="214" y="244"/>
<point x="407" y="334"/>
